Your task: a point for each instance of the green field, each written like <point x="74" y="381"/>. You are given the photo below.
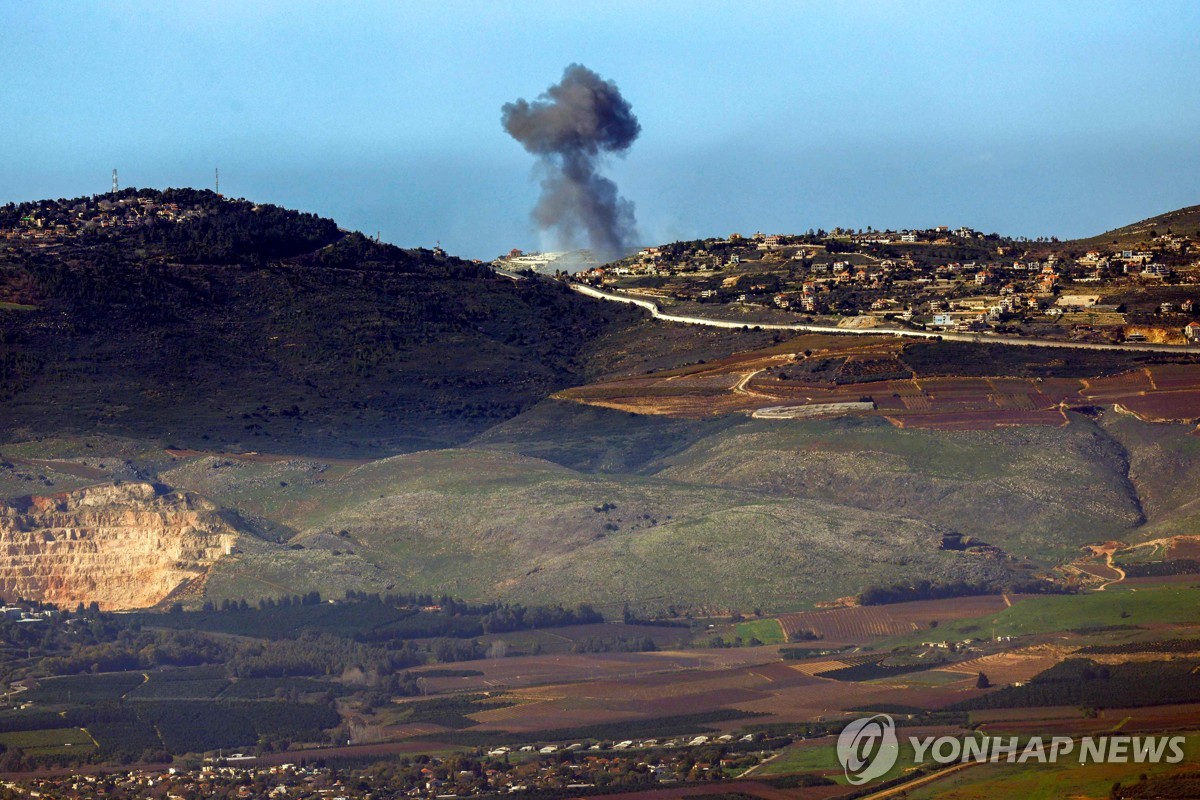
<point x="1032" y="781"/>
<point x="823" y="758"/>
<point x="1118" y="605"/>
<point x="56" y="741"/>
<point x="193" y="683"/>
<point x="767" y="631"/>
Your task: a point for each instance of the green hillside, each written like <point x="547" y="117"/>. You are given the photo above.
<point x="570" y="504"/>
<point x="1030" y="490"/>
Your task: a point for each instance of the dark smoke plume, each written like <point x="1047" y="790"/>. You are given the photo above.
<point x="570" y="128"/>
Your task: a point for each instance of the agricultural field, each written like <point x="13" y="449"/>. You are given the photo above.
<point x="565" y="697"/>
<point x="909" y="387"/>
<point x="50" y="742"/>
<point x="286" y="621"/>
<point x="819" y="756"/>
<point x="197" y="683"/>
<point x="1120" y="606"/>
<point x="1048" y="781"/>
<point x="84" y="688"/>
<point x="862" y="624"/>
<point x="765" y="631"/>
<point x="1011" y="666"/>
<point x="128" y="715"/>
<point x="266" y="688"/>
<point x="585" y="638"/>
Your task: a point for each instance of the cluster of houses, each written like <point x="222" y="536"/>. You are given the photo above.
<point x="628" y="744"/>
<point x="285" y="781"/>
<point x="844" y="273"/>
<point x="52" y="222"/>
<point x="421" y="776"/>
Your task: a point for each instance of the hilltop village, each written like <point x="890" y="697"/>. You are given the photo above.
<point x="1120" y="288"/>
<point x="939" y="279"/>
<point x="50" y="222"/>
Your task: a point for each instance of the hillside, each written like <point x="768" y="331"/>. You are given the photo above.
<point x="569" y="504"/>
<point x="200" y="321"/>
<point x="1036" y="491"/>
<point x="486" y="524"/>
<point x="1181" y="222"/>
<point x="362" y="417"/>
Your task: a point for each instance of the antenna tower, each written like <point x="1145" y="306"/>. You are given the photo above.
<point x="114" y="191"/>
<point x="217" y="179"/>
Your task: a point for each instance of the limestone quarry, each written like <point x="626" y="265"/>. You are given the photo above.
<point x="127" y="545"/>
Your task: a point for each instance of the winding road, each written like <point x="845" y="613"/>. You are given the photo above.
<point x="1011" y="341"/>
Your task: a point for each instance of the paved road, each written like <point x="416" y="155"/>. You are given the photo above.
<point x="975" y="338"/>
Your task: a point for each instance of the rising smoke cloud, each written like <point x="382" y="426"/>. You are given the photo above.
<point x="570" y="128"/>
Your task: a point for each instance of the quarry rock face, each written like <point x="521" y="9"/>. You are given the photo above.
<point x="124" y="546"/>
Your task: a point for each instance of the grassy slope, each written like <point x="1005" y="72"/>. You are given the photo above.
<point x="732" y="515"/>
<point x="727" y="513"/>
<point x="63" y="463"/>
<point x="1034" y="491"/>
<point x="596" y="439"/>
<point x="486" y="524"/>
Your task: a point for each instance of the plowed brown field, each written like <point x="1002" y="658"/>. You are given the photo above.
<point x="749" y="381"/>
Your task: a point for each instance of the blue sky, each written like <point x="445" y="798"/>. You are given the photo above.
<point x="1041" y="118"/>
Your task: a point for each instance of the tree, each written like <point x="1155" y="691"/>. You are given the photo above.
<point x="982" y="681"/>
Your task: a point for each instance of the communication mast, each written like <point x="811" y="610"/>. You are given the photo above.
<point x="217" y="179"/>
<point x="114" y="191"/>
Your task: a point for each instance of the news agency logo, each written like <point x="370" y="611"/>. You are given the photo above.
<point x="868" y="748"/>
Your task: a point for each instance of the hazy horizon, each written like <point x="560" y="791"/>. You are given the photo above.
<point x="1025" y="119"/>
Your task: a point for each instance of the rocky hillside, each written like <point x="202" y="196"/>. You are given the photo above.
<point x="123" y="546"/>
